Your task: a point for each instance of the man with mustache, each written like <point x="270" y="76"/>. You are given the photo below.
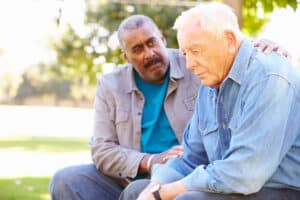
<point x="141" y="110"/>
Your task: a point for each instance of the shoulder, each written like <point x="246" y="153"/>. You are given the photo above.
<point x="117" y="80"/>
<point x="273" y="67"/>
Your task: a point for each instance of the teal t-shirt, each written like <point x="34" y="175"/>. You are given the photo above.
<point x="157" y="134"/>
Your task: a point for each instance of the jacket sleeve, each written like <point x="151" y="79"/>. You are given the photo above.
<point x="109" y="156"/>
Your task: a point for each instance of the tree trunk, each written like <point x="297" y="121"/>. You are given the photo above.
<point x="237" y="6"/>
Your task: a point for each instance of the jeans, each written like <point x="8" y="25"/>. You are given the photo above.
<point x="83" y="182"/>
<point x="135" y="188"/>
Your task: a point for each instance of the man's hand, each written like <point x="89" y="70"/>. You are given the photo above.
<point x="167" y="192"/>
<point x="163" y="157"/>
<point x="149" y="160"/>
<point x="267" y="46"/>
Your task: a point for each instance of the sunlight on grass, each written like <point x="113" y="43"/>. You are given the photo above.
<point x="25" y="188"/>
<point x="45" y="144"/>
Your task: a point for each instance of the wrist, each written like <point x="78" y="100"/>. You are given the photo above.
<point x="149" y="163"/>
<point x="143" y="164"/>
<point x="155" y="191"/>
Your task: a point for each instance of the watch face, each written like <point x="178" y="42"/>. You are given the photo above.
<point x="155" y="188"/>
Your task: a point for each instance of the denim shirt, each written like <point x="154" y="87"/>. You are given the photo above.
<point x="246" y="135"/>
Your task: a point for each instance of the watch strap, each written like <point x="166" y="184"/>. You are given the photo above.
<point x="156" y="195"/>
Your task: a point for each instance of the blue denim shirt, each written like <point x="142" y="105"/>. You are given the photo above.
<point x="246" y="135"/>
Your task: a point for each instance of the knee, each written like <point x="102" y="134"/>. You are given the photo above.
<point x="62" y="179"/>
<point x="133" y="190"/>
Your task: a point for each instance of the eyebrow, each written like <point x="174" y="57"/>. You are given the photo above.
<point x="140" y="45"/>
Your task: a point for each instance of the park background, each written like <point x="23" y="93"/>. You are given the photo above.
<point x="51" y="54"/>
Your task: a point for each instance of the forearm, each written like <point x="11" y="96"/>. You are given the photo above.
<point x="116" y="161"/>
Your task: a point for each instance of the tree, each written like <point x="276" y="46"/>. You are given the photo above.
<point x="80" y="58"/>
<point x="254" y="14"/>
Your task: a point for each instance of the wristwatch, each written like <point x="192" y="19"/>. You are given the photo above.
<point x="155" y="191"/>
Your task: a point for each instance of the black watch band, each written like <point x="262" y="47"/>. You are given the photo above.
<point x="156" y="195"/>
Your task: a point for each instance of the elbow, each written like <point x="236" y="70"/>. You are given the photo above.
<point x="251" y="188"/>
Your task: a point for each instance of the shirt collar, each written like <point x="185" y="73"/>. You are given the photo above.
<point x="241" y="61"/>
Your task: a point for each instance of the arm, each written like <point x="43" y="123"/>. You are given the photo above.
<point x="268" y="46"/>
<point x="259" y="141"/>
<point x="175" y="169"/>
<point x="108" y="155"/>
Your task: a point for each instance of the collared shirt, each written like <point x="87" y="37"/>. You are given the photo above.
<point x="246" y="135"/>
<point x="115" y="144"/>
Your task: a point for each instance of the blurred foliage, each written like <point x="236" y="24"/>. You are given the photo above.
<point x="38" y="82"/>
<point x="256" y="13"/>
<point x="80" y="57"/>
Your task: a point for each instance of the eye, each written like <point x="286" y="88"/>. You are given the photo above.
<point x="137" y="49"/>
<point x="151" y="42"/>
<point x="195" y="51"/>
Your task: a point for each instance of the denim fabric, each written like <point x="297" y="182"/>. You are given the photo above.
<point x="83" y="182"/>
<point x="246" y="135"/>
<point x="133" y="190"/>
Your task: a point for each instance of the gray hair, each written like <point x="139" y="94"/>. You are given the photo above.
<point x="135" y="22"/>
<point x="212" y="17"/>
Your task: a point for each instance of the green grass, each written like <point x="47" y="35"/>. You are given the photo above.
<point x="26" y="188"/>
<point x="34" y="188"/>
<point x="44" y="144"/>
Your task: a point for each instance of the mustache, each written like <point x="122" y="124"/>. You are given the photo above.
<point x="152" y="62"/>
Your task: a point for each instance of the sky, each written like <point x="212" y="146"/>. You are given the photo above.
<point x="26" y="26"/>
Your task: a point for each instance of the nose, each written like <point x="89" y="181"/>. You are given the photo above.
<point x="149" y="53"/>
<point x="190" y="63"/>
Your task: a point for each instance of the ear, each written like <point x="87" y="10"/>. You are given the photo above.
<point x="231" y="40"/>
<point x="164" y="40"/>
<point x="125" y="56"/>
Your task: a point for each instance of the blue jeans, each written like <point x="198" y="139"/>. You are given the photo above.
<point x="135" y="188"/>
<point x="83" y="182"/>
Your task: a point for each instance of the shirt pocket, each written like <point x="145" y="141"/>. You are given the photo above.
<point x="209" y="134"/>
<point x="121" y="116"/>
<point x="207" y="128"/>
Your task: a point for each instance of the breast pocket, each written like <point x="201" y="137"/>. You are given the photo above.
<point x="121" y="116"/>
<point x="209" y="132"/>
<point x="122" y="122"/>
<point x="207" y="128"/>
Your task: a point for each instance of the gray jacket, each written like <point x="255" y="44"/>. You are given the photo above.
<point x="115" y="144"/>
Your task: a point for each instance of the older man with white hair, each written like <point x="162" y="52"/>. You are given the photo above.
<point x="243" y="141"/>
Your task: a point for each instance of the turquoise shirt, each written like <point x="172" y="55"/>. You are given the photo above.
<point x="157" y="134"/>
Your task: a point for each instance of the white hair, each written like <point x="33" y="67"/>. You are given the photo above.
<point x="212" y="17"/>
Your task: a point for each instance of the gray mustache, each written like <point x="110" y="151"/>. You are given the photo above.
<point x="152" y="62"/>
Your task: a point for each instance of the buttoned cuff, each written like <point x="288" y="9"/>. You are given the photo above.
<point x="133" y="163"/>
<point x="198" y="180"/>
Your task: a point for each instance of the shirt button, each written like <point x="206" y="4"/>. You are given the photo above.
<point x="139" y="113"/>
<point x="223" y="125"/>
